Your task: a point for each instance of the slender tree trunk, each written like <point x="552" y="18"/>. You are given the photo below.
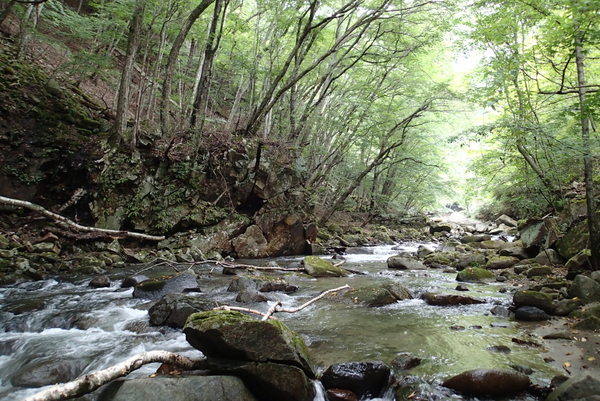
<point x="133" y="41"/>
<point x="210" y="50"/>
<point x="594" y="230"/>
<point x="172" y="62"/>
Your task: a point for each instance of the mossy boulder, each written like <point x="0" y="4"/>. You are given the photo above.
<point x="501" y="262"/>
<point x="574" y="241"/>
<point x="276" y="381"/>
<point x="233" y="335"/>
<point x="585" y="288"/>
<point x="537" y="270"/>
<point x="581" y="261"/>
<point x="534" y="298"/>
<point x="475" y="275"/>
<point x="440" y="259"/>
<point x="317" y="267"/>
<point x="449" y="299"/>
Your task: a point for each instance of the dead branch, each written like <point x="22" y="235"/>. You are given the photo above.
<point x="313" y="300"/>
<point x="277" y="306"/>
<point x="247" y="310"/>
<point x="272" y="310"/>
<point x="88" y="383"/>
<point x="39" y="209"/>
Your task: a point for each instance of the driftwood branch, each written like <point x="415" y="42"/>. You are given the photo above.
<point x="247" y="310"/>
<point x="88" y="383"/>
<point x="313" y="300"/>
<point x="62" y="219"/>
<point x="277" y="306"/>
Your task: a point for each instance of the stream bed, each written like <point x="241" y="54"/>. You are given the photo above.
<point x="91" y="329"/>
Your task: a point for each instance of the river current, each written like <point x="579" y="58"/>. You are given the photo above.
<point x="65" y="320"/>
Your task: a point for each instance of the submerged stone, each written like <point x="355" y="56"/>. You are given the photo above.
<point x="449" y="299"/>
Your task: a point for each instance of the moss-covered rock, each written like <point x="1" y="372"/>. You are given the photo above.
<point x="534" y="298"/>
<point x="318" y="267"/>
<point x="475" y="275"/>
<point x="581" y="261"/>
<point x="501" y="262"/>
<point x="539" y="270"/>
<point x="233" y="335"/>
<point x="574" y="241"/>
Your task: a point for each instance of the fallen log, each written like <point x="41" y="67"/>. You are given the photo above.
<point x="88" y="383"/>
<point x="64" y="220"/>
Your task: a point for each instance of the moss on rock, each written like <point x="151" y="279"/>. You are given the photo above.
<point x="475" y="275"/>
<point x="318" y="267"/>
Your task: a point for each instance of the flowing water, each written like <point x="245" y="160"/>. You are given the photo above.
<point x="66" y="320"/>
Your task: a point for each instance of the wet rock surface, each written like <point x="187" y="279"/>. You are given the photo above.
<point x="365" y="379"/>
<point x="481" y="382"/>
<point x="199" y="388"/>
<point x="174" y="309"/>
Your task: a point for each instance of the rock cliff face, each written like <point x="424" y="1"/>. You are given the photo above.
<point x="234" y="196"/>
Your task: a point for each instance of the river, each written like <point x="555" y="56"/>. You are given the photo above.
<point x="54" y="320"/>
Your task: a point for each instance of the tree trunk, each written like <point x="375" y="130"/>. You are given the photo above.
<point x="133" y="42"/>
<point x="594" y="230"/>
<point x="210" y="50"/>
<point x="172" y="62"/>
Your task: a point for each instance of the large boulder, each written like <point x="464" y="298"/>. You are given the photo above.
<point x="501" y="262"/>
<point x="531" y="314"/>
<point x="399" y="291"/>
<point x="261" y="283"/>
<point x="174" y="309"/>
<point x="574" y="241"/>
<point x="475" y="275"/>
<point x="371" y="296"/>
<point x="365" y="379"/>
<point x="514" y="251"/>
<point x="318" y="267"/>
<point x="585" y="288"/>
<point x="484" y="382"/>
<point x="157" y="287"/>
<point x="579" y="262"/>
<point x="449" y="299"/>
<point x="577" y="388"/>
<point x="251" y="244"/>
<point x="539" y="233"/>
<point x="506" y="220"/>
<point x="404" y="263"/>
<point x="184" y="388"/>
<point x="534" y="298"/>
<point x="548" y="257"/>
<point x="287" y="237"/>
<point x="233" y="335"/>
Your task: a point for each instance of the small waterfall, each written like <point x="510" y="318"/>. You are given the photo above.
<point x="319" y="391"/>
<point x="320" y="394"/>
